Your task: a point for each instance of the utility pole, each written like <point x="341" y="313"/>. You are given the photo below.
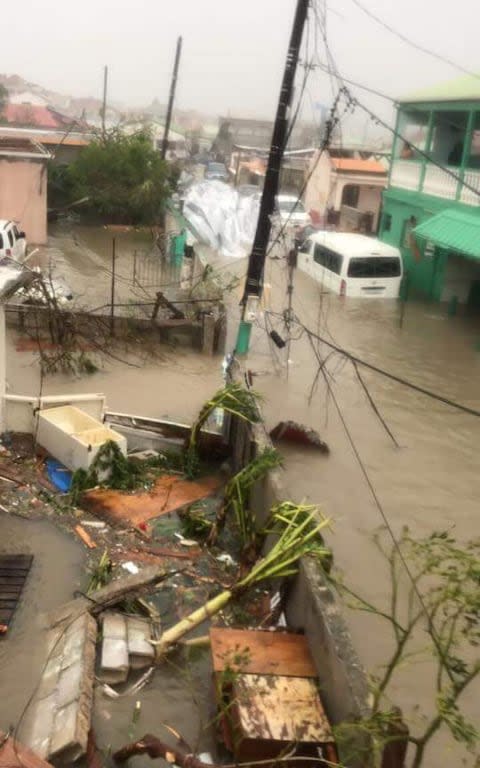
<point x="104" y="105"/>
<point x="171" y="98"/>
<point x="256" y="263"/>
<point x="112" y="289"/>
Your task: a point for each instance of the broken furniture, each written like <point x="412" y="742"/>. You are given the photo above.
<point x="125" y="646"/>
<point x="73" y="437"/>
<point x="13" y="574"/>
<point x="268" y="695"/>
<point x="58" y="719"/>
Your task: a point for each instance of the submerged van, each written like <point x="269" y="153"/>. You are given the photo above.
<point x="352" y="265"/>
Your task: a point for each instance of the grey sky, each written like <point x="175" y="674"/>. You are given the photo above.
<point x="233" y="51"/>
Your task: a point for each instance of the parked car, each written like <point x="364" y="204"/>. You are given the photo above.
<point x="216" y="172"/>
<point x="12" y="242"/>
<point x="291" y="211"/>
<point x="355" y="265"/>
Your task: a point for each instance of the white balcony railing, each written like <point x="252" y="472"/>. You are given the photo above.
<point x="472" y="178"/>
<point x="406" y="174"/>
<point x="439" y="183"/>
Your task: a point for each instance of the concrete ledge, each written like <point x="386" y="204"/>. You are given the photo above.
<point x="311" y="605"/>
<point x="59" y="720"/>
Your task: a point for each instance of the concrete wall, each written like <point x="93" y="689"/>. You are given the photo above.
<point x="23" y="196"/>
<point x="318" y="191"/>
<point x="311" y="605"/>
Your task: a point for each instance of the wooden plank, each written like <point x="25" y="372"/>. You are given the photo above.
<point x="279" y="708"/>
<point x="261" y="653"/>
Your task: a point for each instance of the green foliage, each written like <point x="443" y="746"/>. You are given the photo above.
<point x="443" y="594"/>
<point x="124" y="178"/>
<point x="238" y="489"/>
<point x="119" y="472"/>
<point x="3" y="97"/>
<point x="234" y="400"/>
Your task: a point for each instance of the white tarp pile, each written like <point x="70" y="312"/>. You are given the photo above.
<point x="225" y="220"/>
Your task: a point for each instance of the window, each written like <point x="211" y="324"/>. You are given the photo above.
<point x="387" y="222"/>
<point x="1" y="242"/>
<point x="448" y="137"/>
<point x="16" y="232"/>
<point x="350" y="195"/>
<point x="473" y="160"/>
<point x="374" y="266"/>
<point x="10" y="238"/>
<point x="413" y="127"/>
<point x="328" y="259"/>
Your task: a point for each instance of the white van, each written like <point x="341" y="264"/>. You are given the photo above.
<point x="352" y="265"/>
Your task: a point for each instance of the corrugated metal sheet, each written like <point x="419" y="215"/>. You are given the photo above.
<point x="455" y="230"/>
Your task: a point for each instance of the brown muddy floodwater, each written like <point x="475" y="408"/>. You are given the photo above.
<point x="430" y="482"/>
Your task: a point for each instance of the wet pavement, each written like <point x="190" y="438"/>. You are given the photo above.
<point x="430" y="482"/>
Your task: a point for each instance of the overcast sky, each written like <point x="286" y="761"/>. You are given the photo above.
<point x="233" y="51"/>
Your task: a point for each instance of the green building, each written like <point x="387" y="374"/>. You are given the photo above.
<point x="431" y="207"/>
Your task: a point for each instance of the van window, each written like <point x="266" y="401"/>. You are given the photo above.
<point x="374" y="266"/>
<point x="10" y="237"/>
<point x="1" y="242"/>
<point x="329" y="259"/>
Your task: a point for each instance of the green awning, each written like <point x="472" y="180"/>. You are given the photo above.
<point x="454" y="230"/>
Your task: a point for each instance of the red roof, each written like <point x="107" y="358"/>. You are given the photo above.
<point x="357" y="166"/>
<point x="34" y="116"/>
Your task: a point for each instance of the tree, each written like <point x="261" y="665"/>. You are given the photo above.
<point x="124" y="178"/>
<point x="443" y="599"/>
<point x="3" y="98"/>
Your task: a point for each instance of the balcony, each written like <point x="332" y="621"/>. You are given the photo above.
<point x="439" y="182"/>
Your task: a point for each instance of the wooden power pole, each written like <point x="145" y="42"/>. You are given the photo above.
<point x="256" y="262"/>
<point x="171" y="98"/>
<point x="104" y="103"/>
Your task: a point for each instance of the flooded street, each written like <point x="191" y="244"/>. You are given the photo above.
<point x="430" y="482"/>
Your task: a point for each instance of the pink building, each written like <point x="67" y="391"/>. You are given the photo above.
<point x="23" y="186"/>
<point x="345" y="188"/>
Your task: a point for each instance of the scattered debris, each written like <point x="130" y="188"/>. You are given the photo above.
<point x="85" y="537"/>
<point x="14" y="570"/>
<point x="292" y="432"/>
<point x="59" y="475"/>
<point x="168" y="494"/>
<point x="130" y="567"/>
<point x="111" y="693"/>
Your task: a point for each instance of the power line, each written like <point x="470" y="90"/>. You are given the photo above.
<point x="387" y="374"/>
<point x="412" y="43"/>
<point x="378" y="504"/>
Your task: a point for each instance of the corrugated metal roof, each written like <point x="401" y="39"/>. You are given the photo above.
<point x="455" y="230"/>
<point x="465" y="88"/>
<point x="353" y="165"/>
